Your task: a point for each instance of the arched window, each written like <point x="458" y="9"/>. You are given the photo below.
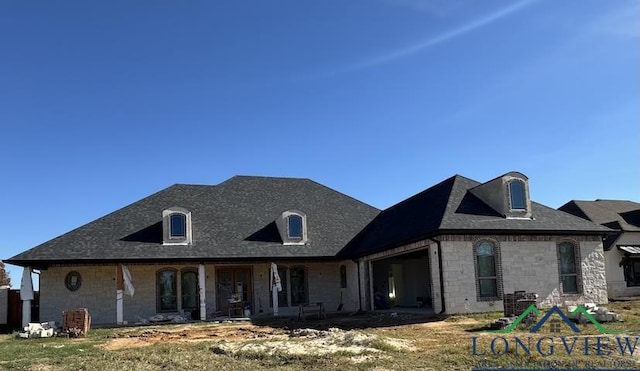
<point x="569" y="267"/>
<point x="294" y="226"/>
<point x="488" y="273"/>
<point x="189" y="285"/>
<point x="178" y="225"/>
<point x="167" y="290"/>
<point x="343" y="277"/>
<point x="517" y="195"/>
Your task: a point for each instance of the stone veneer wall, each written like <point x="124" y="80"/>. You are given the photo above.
<point x="98" y="290"/>
<point x="528" y="263"/>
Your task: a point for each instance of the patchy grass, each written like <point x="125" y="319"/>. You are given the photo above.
<point x="445" y="344"/>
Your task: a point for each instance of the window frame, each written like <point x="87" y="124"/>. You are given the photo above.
<point x="497" y="266"/>
<point x="168" y="216"/>
<point x="298" y="218"/>
<point x="523" y="195"/>
<point x="577" y="275"/>
<point x="159" y="296"/>
<point x="284" y="227"/>
<point x="183" y="222"/>
<point x="183" y="271"/>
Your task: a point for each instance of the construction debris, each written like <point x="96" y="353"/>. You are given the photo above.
<point x="599" y="314"/>
<point x="514" y="305"/>
<point x="37" y="330"/>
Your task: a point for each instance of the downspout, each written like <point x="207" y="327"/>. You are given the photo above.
<point x="359" y="288"/>
<point x="440" y="274"/>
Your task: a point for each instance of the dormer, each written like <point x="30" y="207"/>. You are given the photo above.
<point x="176" y="226"/>
<point x="292" y="226"/>
<point x="507" y="194"/>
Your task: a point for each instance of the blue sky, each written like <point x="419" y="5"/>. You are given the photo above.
<point x="104" y="103"/>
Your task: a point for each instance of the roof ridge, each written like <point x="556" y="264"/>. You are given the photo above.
<point x="455" y="179"/>
<point x="410" y="198"/>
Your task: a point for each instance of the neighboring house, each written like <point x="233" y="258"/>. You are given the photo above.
<point x="621" y="248"/>
<point x="456" y="247"/>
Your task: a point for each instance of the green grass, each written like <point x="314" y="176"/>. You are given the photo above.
<point x="441" y="345"/>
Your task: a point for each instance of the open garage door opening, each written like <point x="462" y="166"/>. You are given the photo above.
<point x="402" y="281"/>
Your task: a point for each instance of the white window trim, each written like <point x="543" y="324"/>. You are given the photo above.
<point x="167" y="238"/>
<point x="283" y="227"/>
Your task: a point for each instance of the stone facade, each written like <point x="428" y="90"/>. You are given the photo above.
<point x="97" y="292"/>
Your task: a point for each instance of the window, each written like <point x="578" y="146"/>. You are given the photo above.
<point x="294" y="281"/>
<point x="292" y="226"/>
<point x="488" y="271"/>
<point x="343" y="277"/>
<point x="517" y="195"/>
<point x="298" y="286"/>
<point x="294" y="223"/>
<point x="178" y="224"/>
<point x="189" y="286"/>
<point x="167" y="292"/>
<point x="568" y="265"/>
<point x="631" y="271"/>
<point x="73" y="281"/>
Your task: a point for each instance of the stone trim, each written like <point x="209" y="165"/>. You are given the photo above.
<point x="498" y="266"/>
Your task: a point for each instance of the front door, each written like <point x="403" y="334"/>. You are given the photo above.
<point x="232" y="281"/>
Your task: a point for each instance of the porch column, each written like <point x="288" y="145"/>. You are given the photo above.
<point x="119" y="294"/>
<point x="201" y="284"/>
<point x="26" y="294"/>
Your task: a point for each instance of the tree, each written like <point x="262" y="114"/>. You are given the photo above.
<point x="5" y="280"/>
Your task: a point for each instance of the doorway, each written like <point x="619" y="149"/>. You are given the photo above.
<point x="402" y="281"/>
<point x="233" y="281"/>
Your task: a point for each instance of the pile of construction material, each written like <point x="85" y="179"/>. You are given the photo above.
<point x="514" y="305"/>
<point x="599" y="314"/>
<point x="75" y="323"/>
<point x="38" y="330"/>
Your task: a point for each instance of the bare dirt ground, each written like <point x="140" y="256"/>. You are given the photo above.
<point x="279" y="336"/>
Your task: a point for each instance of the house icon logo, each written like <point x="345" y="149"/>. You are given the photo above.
<point x="554" y="323"/>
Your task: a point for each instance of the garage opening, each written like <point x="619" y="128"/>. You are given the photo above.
<point x="402" y="281"/>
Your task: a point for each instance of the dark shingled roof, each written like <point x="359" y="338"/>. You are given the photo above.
<point x="615" y="214"/>
<point x="449" y="207"/>
<point x="623" y="216"/>
<point x="233" y="220"/>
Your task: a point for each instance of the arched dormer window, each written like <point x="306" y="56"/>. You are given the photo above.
<point x="517" y="195"/>
<point x="176" y="226"/>
<point x="292" y="225"/>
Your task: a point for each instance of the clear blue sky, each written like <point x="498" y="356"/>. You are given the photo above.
<point x="104" y="103"/>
